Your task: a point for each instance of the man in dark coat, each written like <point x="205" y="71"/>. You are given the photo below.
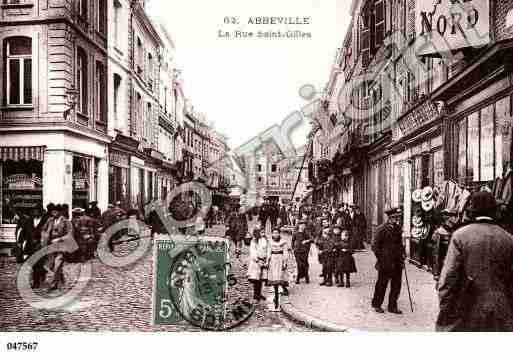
<point x="284" y="216"/>
<point x="301" y="242"/>
<point x="84" y="230"/>
<point x="238" y="228"/>
<point x="358" y="227"/>
<point x="29" y="236"/>
<point x="389" y="250"/>
<point x="476" y="284"/>
<point x="325" y="246"/>
<point x="263" y="214"/>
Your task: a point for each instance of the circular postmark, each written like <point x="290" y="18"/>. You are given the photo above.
<point x="204" y="291"/>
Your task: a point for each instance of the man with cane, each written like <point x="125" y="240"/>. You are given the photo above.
<point x="389" y="250"/>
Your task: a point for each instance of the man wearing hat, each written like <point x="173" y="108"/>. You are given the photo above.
<point x="476" y="283"/>
<point x="325" y="247"/>
<point x="85" y="234"/>
<point x="441" y="239"/>
<point x="389" y="250"/>
<point x="93" y="211"/>
<point x="301" y="242"/>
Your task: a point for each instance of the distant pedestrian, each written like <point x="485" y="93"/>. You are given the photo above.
<point x="389" y="250"/>
<point x="301" y="243"/>
<point x="344" y="260"/>
<point x="325" y="248"/>
<point x="476" y="283"/>
<point x="93" y="211"/>
<point x="277" y="258"/>
<point x="237" y="229"/>
<point x="257" y="266"/>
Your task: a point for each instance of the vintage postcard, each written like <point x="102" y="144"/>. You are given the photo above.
<point x="255" y="166"/>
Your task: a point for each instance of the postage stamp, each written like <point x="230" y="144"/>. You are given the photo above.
<point x="193" y="282"/>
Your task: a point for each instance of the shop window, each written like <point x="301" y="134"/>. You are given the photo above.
<point x="438" y="168"/>
<point x="82" y="103"/>
<point x="486" y="156"/>
<point x="503" y="134"/>
<point x="20" y="189"/>
<point x="473" y="147"/>
<point x="484" y="144"/>
<point x="462" y="151"/>
<point x="81" y="181"/>
<point x="18" y="61"/>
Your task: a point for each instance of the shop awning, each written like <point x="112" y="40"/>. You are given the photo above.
<point x="35" y="153"/>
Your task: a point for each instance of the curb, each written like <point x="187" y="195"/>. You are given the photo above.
<point x="310" y="321"/>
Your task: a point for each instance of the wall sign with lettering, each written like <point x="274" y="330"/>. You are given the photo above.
<point x="448" y="25"/>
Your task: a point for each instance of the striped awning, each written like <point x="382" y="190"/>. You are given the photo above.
<point x="35" y="153"/>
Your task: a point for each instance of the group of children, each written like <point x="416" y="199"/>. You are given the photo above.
<point x="268" y="259"/>
<point x="336" y="257"/>
<point x="268" y="262"/>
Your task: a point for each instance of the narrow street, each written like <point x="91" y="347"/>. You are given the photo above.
<point x="115" y="300"/>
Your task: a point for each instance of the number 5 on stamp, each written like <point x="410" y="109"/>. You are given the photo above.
<point x="164" y="312"/>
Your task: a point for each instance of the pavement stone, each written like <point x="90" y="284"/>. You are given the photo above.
<point x="116" y="299"/>
<point x="350" y="307"/>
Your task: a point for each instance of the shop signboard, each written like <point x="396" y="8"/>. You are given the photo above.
<point x="449" y="25"/>
<point x="426" y="112"/>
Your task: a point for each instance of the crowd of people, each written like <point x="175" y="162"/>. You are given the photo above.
<point x="337" y="234"/>
<point x="44" y="227"/>
<point x="473" y="267"/>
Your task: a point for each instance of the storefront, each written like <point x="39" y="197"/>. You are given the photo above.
<point x="21" y="186"/>
<point x="418" y="168"/>
<point x="119" y="177"/>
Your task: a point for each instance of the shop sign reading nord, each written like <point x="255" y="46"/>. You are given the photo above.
<point x="448" y="25"/>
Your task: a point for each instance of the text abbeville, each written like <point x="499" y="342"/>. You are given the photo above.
<point x="266" y="20"/>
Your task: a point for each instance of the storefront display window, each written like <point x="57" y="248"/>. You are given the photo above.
<point x="503" y="134"/>
<point x="484" y="144"/>
<point x="438" y="167"/>
<point x="81" y="181"/>
<point x="20" y="188"/>
<point x="462" y="151"/>
<point x="487" y="140"/>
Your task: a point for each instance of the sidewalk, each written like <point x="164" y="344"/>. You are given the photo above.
<point x="350" y="307"/>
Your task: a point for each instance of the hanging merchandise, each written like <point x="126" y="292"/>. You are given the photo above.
<point x="417" y="196"/>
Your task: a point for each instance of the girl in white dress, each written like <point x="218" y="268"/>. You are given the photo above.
<point x="277" y="256"/>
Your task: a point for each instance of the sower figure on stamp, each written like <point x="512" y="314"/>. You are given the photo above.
<point x="389" y="250"/>
<point x="301" y="242"/>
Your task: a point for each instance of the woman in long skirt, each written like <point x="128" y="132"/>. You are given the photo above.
<point x="257" y="272"/>
<point x="278" y="259"/>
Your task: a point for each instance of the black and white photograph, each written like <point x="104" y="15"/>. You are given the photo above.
<point x="286" y="166"/>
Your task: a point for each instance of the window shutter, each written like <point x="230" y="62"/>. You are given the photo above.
<point x="365" y="39"/>
<point x="379" y="23"/>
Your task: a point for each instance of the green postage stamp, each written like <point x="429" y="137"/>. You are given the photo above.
<point x="190" y="281"/>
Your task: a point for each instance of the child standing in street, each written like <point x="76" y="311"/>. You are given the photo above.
<point x="257" y="272"/>
<point x="278" y="259"/>
<point x="344" y="260"/>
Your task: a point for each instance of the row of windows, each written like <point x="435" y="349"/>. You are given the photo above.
<point x="19" y="82"/>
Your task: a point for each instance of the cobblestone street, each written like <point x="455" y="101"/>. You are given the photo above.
<point x="115" y="300"/>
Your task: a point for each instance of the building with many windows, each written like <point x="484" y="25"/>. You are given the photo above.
<point x="419" y="105"/>
<point x="53" y="114"/>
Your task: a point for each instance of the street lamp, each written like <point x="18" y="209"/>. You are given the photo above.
<point x="71" y="98"/>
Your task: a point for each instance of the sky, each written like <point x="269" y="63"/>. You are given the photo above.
<point x="245" y="86"/>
